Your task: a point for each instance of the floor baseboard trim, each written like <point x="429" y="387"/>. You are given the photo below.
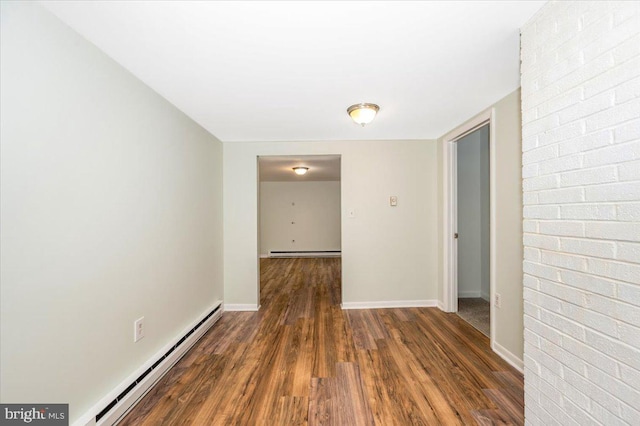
<point x="305" y="253"/>
<point x="117" y="403"/>
<point x="390" y="304"/>
<point x="505" y="354"/>
<point x="468" y="294"/>
<point x="240" y="307"/>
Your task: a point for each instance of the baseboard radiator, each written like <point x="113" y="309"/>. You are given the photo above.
<point x="307" y="253"/>
<point x="114" y="411"/>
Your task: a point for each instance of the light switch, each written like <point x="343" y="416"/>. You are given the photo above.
<point x="393" y="201"/>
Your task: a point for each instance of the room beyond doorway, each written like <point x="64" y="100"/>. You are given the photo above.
<point x="299" y="211"/>
<point x="299" y="214"/>
<point x="473" y="228"/>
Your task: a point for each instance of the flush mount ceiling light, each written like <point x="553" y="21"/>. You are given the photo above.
<point x="300" y="170"/>
<point x="363" y="113"/>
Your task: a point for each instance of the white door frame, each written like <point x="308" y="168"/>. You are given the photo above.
<point x="450" y="212"/>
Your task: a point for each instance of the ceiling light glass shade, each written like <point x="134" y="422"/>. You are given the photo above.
<point x="300" y="170"/>
<point x="363" y="113"/>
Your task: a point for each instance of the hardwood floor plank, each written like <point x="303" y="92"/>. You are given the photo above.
<point x="375" y="389"/>
<point x="512" y="382"/>
<point x="362" y="339"/>
<point x="305" y="356"/>
<point x="292" y="410"/>
<point x="302" y="360"/>
<point x="219" y="387"/>
<point x="417" y="408"/>
<point x="430" y="383"/>
<point x="490" y="417"/>
<point x="325" y="359"/>
<point x="505" y="400"/>
<point x="321" y="411"/>
<point x="343" y="337"/>
<point x="352" y="389"/>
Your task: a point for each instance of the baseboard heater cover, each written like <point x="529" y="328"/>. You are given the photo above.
<point x="158" y="368"/>
<point x="306" y="253"/>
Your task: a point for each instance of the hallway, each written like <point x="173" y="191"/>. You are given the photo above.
<point x="303" y="360"/>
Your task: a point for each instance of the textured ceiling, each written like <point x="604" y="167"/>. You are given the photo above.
<point x="272" y="71"/>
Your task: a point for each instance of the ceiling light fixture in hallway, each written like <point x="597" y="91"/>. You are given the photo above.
<point x="363" y="113"/>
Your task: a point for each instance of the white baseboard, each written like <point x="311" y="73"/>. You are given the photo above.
<point x="390" y="304"/>
<point x="264" y="256"/>
<point x="513" y="360"/>
<point x="468" y="294"/>
<point x="129" y="400"/>
<point x="240" y="307"/>
<point x="440" y="305"/>
<point x="485" y="296"/>
<point x="295" y="254"/>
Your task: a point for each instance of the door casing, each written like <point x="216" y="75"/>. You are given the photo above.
<point x="450" y="214"/>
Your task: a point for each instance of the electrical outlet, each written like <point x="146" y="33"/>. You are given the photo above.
<point x="138" y="329"/>
<point x="497" y="300"/>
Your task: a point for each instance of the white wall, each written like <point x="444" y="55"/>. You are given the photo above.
<point x="508" y="219"/>
<point x="299" y="216"/>
<point x="581" y="169"/>
<point x="506" y="122"/>
<point x="388" y="253"/>
<point x="473" y="214"/>
<point x="111" y="210"/>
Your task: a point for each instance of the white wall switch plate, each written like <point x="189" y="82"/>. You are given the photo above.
<point x="393" y="201"/>
<point x="138" y="329"/>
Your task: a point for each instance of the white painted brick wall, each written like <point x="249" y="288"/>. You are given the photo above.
<point x="581" y="184"/>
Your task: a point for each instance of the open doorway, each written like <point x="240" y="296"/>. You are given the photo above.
<point x="472" y="199"/>
<point x="299" y="214"/>
<point x="451" y="210"/>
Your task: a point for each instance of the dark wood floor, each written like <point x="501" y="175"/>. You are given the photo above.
<point x="303" y="360"/>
